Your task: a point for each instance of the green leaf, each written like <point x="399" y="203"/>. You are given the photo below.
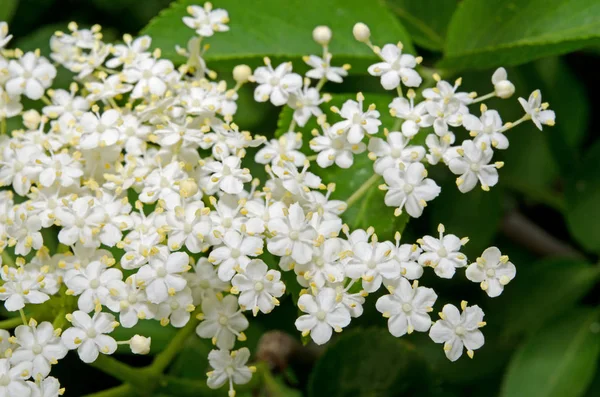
<point x="370" y="362"/>
<point x="426" y="20"/>
<point x="8" y="9"/>
<point x="541" y="292"/>
<point x="484" y="34"/>
<point x="583" y="195"/>
<point x="369" y="209"/>
<point x="161" y="336"/>
<point x="560" y="360"/>
<point x="281" y="30"/>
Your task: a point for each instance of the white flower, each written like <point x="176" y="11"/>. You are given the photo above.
<point x="204" y="281"/>
<point x="503" y="88"/>
<point x="259" y="287"/>
<point x="176" y="309"/>
<point x="159" y="184"/>
<point x="229" y="367"/>
<point x="371" y="262"/>
<point x="63" y="102"/>
<point x="357" y="122"/>
<point x="276" y="84"/>
<point x="324" y="315"/>
<point x="446" y="114"/>
<point x="406" y="256"/>
<point x="393" y="153"/>
<point x="223" y="321"/>
<point x="25" y="231"/>
<point x="284" y="148"/>
<point x="493" y="271"/>
<point x="134" y="304"/>
<point x="225" y="175"/>
<point x="296" y="182"/>
<point x="445" y="93"/>
<point x="140" y="344"/>
<point x="79" y="222"/>
<point x="486" y="129"/>
<point x="473" y="166"/>
<point x="4" y="36"/>
<point x="21" y="286"/>
<point x="415" y="117"/>
<point x="410" y="189"/>
<point x="534" y="108"/>
<point x="10" y="106"/>
<point x="305" y="103"/>
<point x="233" y="255"/>
<point x="39" y="345"/>
<point x="129" y="53"/>
<point x="48" y="387"/>
<point x="205" y="20"/>
<point x="30" y="75"/>
<point x="321" y="68"/>
<point x="88" y="335"/>
<point x="99" y="130"/>
<point x="396" y="67"/>
<point x="292" y="235"/>
<point x="333" y="147"/>
<point x="96" y="285"/>
<point x="456" y="330"/>
<point x="324" y="267"/>
<point x="443" y="254"/>
<point x="162" y="276"/>
<point x="406" y="307"/>
<point x="107" y="87"/>
<point x="187" y="226"/>
<point x="149" y="76"/>
<point x="62" y="168"/>
<point x="440" y="148"/>
<point x="14" y="379"/>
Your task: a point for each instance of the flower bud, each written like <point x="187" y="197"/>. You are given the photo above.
<point x="242" y="73"/>
<point x="32" y="119"/>
<point x="140" y="344"/>
<point x="361" y="32"/>
<point x="504" y="89"/>
<point x="322" y="35"/>
<point x="188" y="188"/>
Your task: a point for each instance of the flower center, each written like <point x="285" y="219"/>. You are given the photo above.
<point x="227" y="222"/>
<point x="161" y="272"/>
<point x="235" y="253"/>
<point x="371" y="264"/>
<point x="337" y="144"/>
<point x="490" y="272"/>
<point x="91" y="333"/>
<point x="223" y="320"/>
<point x="357" y="118"/>
<point x="187" y="228"/>
<point x="132" y="299"/>
<point x="475" y="167"/>
<point x="408" y="188"/>
<point x="274" y="81"/>
<point x="459" y="330"/>
<point x="174" y="305"/>
<point x="442" y="253"/>
<point x="294" y="235"/>
<point x="147" y="74"/>
<point x="36" y="348"/>
<point x="406" y="307"/>
<point x="259" y="286"/>
<point x="80" y="222"/>
<point x="396" y="152"/>
<point x="321" y="315"/>
<point x="94" y="283"/>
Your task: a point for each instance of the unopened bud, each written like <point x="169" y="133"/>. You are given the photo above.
<point x="188" y="188"/>
<point x="322" y="35"/>
<point x="504" y="89"/>
<point x="140" y="344"/>
<point x="32" y="119"/>
<point x="242" y="73"/>
<point x="361" y="32"/>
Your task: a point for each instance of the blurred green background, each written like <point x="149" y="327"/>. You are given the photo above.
<point x="542" y="337"/>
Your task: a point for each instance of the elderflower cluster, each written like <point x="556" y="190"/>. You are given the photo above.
<point x="140" y="169"/>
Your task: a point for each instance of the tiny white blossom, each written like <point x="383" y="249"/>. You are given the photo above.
<point x="276" y="84"/>
<point x="415" y="117"/>
<point x="162" y="276"/>
<point x="536" y="110"/>
<point x="357" y="122"/>
<point x="222" y="321"/>
<point x="14" y="379"/>
<point x="394" y="152"/>
<point x="234" y="255"/>
<point x="324" y="315"/>
<point x="407" y="307"/>
<point x="4" y="36"/>
<point x="259" y="287"/>
<point x="410" y="189"/>
<point x="443" y="253"/>
<point x="395" y="68"/>
<point x="205" y="21"/>
<point x="229" y="367"/>
<point x="486" y="129"/>
<point x="285" y="147"/>
<point x="456" y="330"/>
<point x="95" y="285"/>
<point x="473" y="166"/>
<point x="493" y="271"/>
<point x="335" y="148"/>
<point x="39" y="345"/>
<point x="88" y="335"/>
<point x="321" y="68"/>
<point x="371" y="262"/>
<point x="30" y="75"/>
<point x="292" y="235"/>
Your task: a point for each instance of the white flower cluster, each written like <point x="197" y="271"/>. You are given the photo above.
<point x="140" y="167"/>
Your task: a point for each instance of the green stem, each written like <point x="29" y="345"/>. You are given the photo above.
<point x="125" y="390"/>
<point x="3" y="126"/>
<point x="23" y="316"/>
<point x="123" y="372"/>
<point x="484" y="97"/>
<point x="10" y="323"/>
<point x="162" y="360"/>
<point x="362" y="190"/>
